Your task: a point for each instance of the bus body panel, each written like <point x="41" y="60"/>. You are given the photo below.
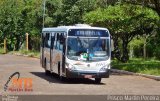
<point x="81" y="69"/>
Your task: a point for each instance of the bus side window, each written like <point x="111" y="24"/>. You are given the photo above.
<point x="52" y="40"/>
<point x="55" y="40"/>
<point x="49" y="41"/>
<point x="61" y="41"/>
<point x="58" y="41"/>
<point x="46" y="40"/>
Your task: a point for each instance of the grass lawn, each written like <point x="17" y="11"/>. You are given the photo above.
<point x="138" y="65"/>
<point x="1" y="51"/>
<point x="30" y="53"/>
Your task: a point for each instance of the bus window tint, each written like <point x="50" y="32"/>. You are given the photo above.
<point x="96" y="48"/>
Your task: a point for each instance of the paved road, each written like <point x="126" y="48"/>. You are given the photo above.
<point x="51" y="85"/>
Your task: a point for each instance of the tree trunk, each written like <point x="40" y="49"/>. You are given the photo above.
<point x="17" y="42"/>
<point x="116" y="52"/>
<point x="144" y="49"/>
<point x="131" y="51"/>
<point x="125" y="56"/>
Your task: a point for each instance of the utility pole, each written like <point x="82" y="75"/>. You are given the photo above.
<point x="5" y="45"/>
<point x="44" y="8"/>
<point x="27" y="41"/>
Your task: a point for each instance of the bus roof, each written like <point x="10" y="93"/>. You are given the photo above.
<point x="66" y="28"/>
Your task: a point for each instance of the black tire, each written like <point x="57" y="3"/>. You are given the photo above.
<point x="98" y="80"/>
<point x="108" y="74"/>
<point x="59" y="69"/>
<point x="62" y="78"/>
<point x="47" y="72"/>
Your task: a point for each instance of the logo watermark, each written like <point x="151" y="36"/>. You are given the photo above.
<point x="22" y="84"/>
<point x="16" y="84"/>
<point x="9" y="98"/>
<point x="133" y="98"/>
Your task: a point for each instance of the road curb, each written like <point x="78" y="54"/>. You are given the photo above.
<point x="136" y="74"/>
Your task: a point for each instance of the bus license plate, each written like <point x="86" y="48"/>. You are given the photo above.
<point x="87" y="76"/>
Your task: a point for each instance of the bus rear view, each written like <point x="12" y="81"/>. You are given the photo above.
<point x="86" y="53"/>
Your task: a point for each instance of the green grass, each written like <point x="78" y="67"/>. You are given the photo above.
<point x="1" y="51"/>
<point x="30" y="53"/>
<point x="138" y="65"/>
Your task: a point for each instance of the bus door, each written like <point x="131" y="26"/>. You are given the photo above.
<point x="47" y="50"/>
<point x="56" y="55"/>
<point x="63" y="49"/>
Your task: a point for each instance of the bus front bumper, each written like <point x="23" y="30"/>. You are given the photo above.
<point x="87" y="74"/>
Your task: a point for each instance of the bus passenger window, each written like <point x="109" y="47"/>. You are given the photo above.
<point x="46" y="39"/>
<point x="52" y="41"/>
<point x="57" y="41"/>
<point x="61" y="41"/>
<point x="49" y="42"/>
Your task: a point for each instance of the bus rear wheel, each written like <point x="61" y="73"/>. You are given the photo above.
<point x="47" y="72"/>
<point x="98" y="80"/>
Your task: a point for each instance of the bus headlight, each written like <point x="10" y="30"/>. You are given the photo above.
<point x="70" y="67"/>
<point x="104" y="68"/>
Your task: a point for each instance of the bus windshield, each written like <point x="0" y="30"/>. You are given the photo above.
<point x="87" y="49"/>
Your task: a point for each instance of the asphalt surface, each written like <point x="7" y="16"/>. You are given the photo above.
<point x="51" y="85"/>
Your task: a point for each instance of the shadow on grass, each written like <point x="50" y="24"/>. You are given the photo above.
<point x="54" y="78"/>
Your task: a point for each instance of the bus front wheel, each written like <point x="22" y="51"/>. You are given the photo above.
<point x="98" y="80"/>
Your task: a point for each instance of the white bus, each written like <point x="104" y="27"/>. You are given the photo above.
<point x="79" y="51"/>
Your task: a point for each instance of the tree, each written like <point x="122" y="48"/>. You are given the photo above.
<point x="124" y="21"/>
<point x="18" y="17"/>
<point x="32" y="13"/>
<point x="153" y="4"/>
<point x="73" y="10"/>
<point x="52" y="12"/>
<point x="10" y="19"/>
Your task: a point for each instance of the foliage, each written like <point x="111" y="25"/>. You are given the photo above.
<point x="18" y="17"/>
<point x="124" y="21"/>
<point x="152" y="4"/>
<point x="137" y="42"/>
<point x="154" y="45"/>
<point x="73" y="10"/>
